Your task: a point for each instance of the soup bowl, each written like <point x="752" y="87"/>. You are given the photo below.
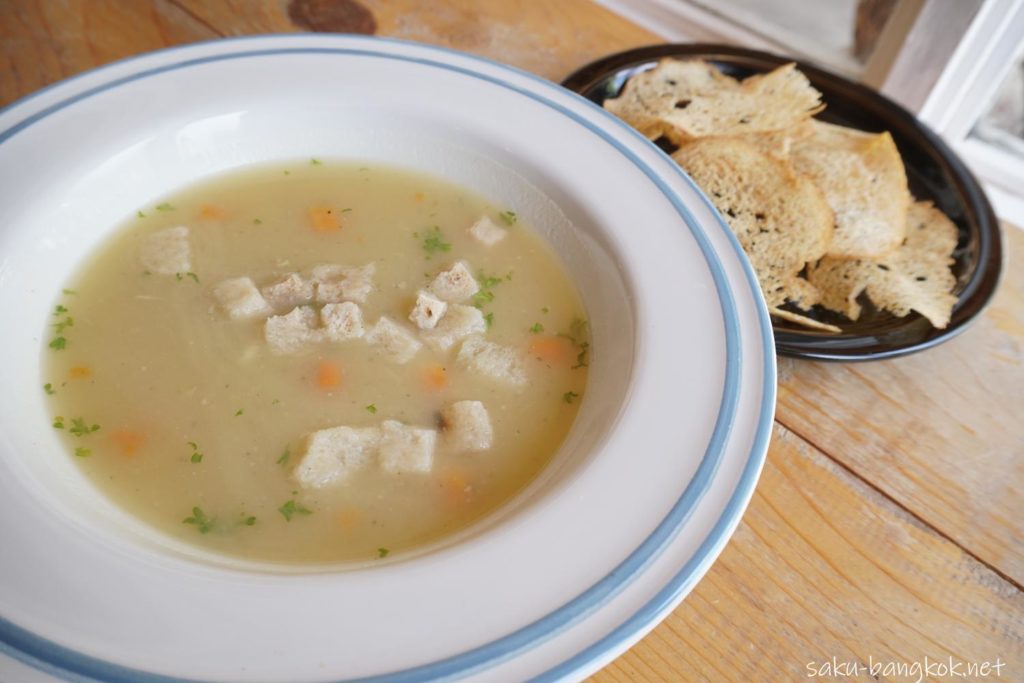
<point x="638" y="501"/>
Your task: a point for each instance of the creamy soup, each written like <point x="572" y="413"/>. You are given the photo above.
<point x="321" y="362"/>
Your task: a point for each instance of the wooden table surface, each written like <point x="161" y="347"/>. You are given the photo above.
<point x="888" y="525"/>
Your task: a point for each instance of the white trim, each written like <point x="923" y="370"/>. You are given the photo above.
<point x="1002" y="175"/>
<point x="680" y="21"/>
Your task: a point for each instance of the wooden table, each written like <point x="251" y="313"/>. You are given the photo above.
<point x="888" y="525"/>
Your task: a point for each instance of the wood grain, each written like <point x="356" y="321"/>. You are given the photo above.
<point x="824" y="566"/>
<point x="887" y="523"/>
<point x="940" y="431"/>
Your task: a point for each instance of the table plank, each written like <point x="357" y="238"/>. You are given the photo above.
<point x="825" y="566"/>
<point x="940" y="431"/>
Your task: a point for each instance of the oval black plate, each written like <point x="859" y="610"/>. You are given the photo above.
<point x="933" y="172"/>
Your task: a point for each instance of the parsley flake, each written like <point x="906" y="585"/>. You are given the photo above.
<point x="196" y="457"/>
<point x="545" y="309"/>
<point x="79" y="427"/>
<point x="284" y="457"/>
<point x="166" y="206"/>
<point x="434" y="242"/>
<point x="275" y="402"/>
<point x="58" y="422"/>
<point x="248" y="521"/>
<point x="508" y="217"/>
<point x="372" y="409"/>
<point x="292" y="508"/>
<point x="82" y="452"/>
<point x="199" y="520"/>
<point x="489" y="319"/>
<point x="315" y="162"/>
<point x="59" y="344"/>
<point x="537" y="328"/>
<point x="570" y="396"/>
<point x="69" y="292"/>
<point x="257" y="221"/>
<point x="192" y="275"/>
<point x="239" y="412"/>
<point x="140" y="214"/>
<point x="48" y="388"/>
<point x="382" y="552"/>
<point x="64" y="324"/>
<point x="59" y="310"/>
<point x="484" y="296"/>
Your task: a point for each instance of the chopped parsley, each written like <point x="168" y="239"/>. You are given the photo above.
<point x="239" y="412"/>
<point x="59" y="310"/>
<point x="314" y="162"/>
<point x="284" y="457"/>
<point x="248" y="521"/>
<point x="434" y="242"/>
<point x="48" y="388"/>
<point x="275" y="402"/>
<point x="166" y="206"/>
<point x="570" y="396"/>
<point x="545" y="309"/>
<point x="578" y="333"/>
<point x="372" y="409"/>
<point x="79" y="427"/>
<point x="382" y="552"/>
<point x="508" y="217"/>
<point x="69" y="292"/>
<point x="484" y="296"/>
<point x="82" y="452"/>
<point x="489" y="319"/>
<point x="146" y="273"/>
<point x="199" y="520"/>
<point x="537" y="328"/>
<point x="59" y="344"/>
<point x="489" y="281"/>
<point x="346" y="210"/>
<point x="192" y="275"/>
<point x="287" y="172"/>
<point x="196" y="457"/>
<point x="58" y="422"/>
<point x="64" y="324"/>
<point x="292" y="508"/>
<point x="140" y="214"/>
<point x="257" y="221"/>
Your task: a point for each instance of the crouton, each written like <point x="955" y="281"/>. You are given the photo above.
<point x="240" y="299"/>
<point x="501" y="363"/>
<point x="406" y="449"/>
<point x="428" y="310"/>
<point x="487" y="232"/>
<point x="457" y="324"/>
<point x="342" y="321"/>
<point x="397" y="342"/>
<point x="455" y="284"/>
<point x="335" y="284"/>
<point x="288" y="293"/>
<point x="333" y="454"/>
<point x="167" y="252"/>
<point x="467" y="426"/>
<point x="292" y="332"/>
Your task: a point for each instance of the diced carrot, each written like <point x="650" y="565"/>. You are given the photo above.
<point x="328" y="375"/>
<point x="349" y="518"/>
<point x="455" y="487"/>
<point x="128" y="442"/>
<point x="553" y="350"/>
<point x="79" y="372"/>
<point x="324" y="219"/>
<point x="435" y="377"/>
<point x="210" y="212"/>
<point x="419" y="196"/>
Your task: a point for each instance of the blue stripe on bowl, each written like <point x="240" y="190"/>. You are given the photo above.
<point x="71" y="665"/>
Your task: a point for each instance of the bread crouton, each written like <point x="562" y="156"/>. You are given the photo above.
<point x="240" y="299"/>
<point x="428" y="310"/>
<point x="457" y="324"/>
<point x="467" y="426"/>
<point x="501" y="363"/>
<point x="167" y="252"/>
<point x="288" y="293"/>
<point x="292" y="332"/>
<point x="333" y="454"/>
<point x="455" y="284"/>
<point x="342" y="322"/>
<point x="335" y="284"/>
<point x="396" y="341"/>
<point x="486" y="232"/>
<point x="406" y="449"/>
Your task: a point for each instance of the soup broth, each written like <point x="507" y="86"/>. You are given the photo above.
<point x="237" y="366"/>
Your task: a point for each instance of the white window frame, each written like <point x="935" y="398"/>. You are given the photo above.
<point x="941" y="59"/>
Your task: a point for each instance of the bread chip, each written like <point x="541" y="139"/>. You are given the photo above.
<point x="803" y="320"/>
<point x="781" y="219"/>
<point x="775" y="101"/>
<point x="649" y="95"/>
<point x="914" y="277"/>
<point x="863" y="178"/>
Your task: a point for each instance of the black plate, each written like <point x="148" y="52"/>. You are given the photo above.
<point x="933" y="172"/>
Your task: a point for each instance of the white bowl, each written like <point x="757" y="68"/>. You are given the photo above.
<point x="641" y="498"/>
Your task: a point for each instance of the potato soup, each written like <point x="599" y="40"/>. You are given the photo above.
<point x="316" y="363"/>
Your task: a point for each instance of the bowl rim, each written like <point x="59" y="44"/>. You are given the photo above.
<point x="54" y="658"/>
<point x="977" y="292"/>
